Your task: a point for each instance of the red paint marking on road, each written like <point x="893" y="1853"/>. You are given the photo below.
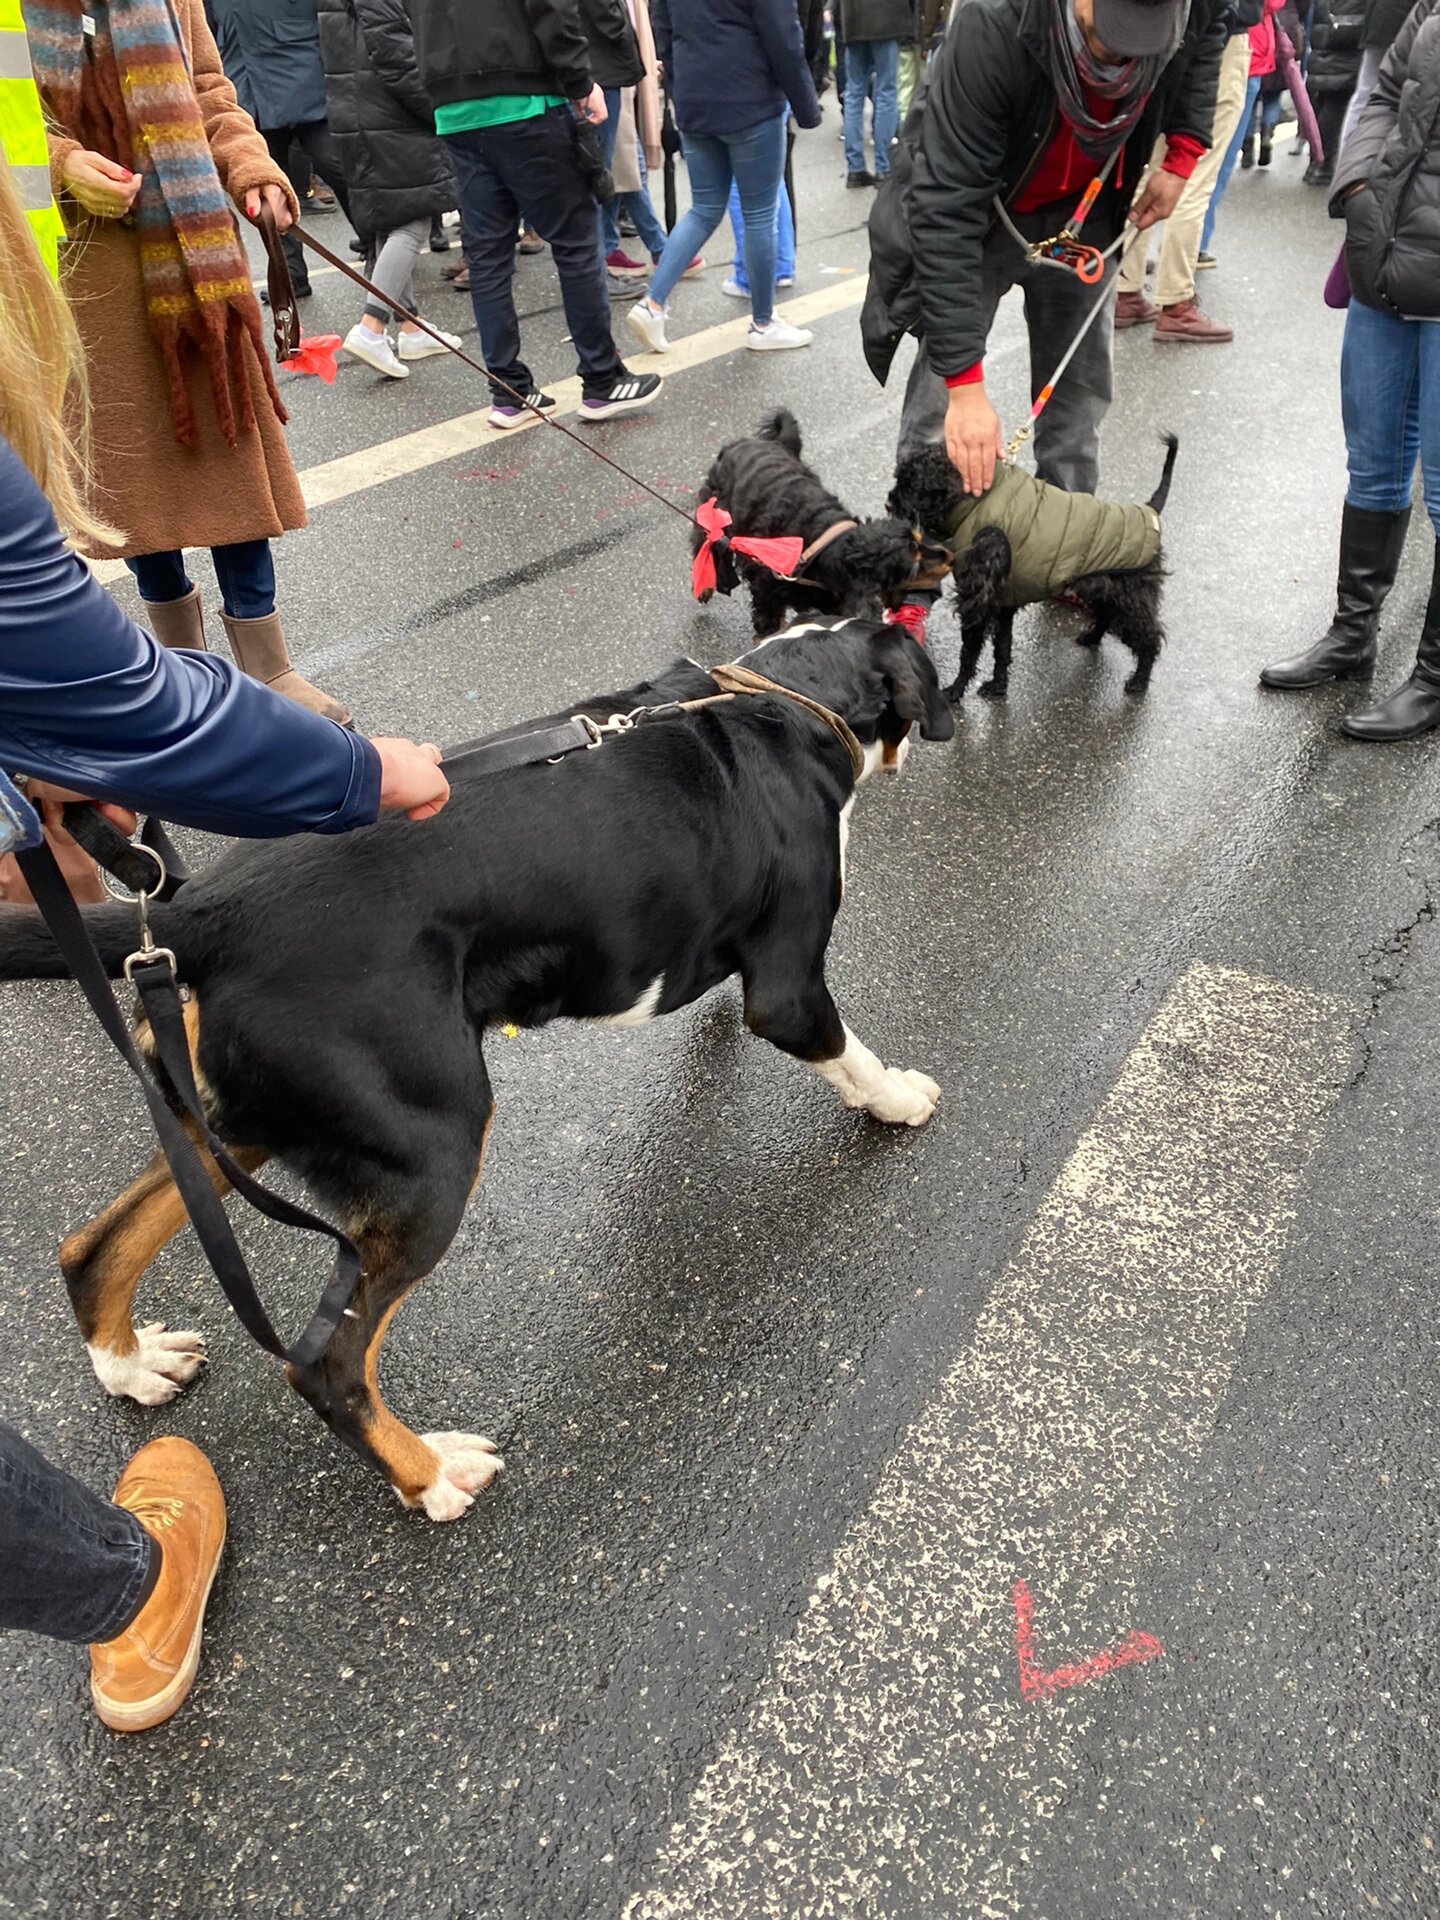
<point x="1038" y="1683"/>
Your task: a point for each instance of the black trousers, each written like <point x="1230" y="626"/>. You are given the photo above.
<point x="314" y="139"/>
<point x="533" y="163"/>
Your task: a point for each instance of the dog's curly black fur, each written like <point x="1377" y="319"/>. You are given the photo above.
<point x="767" y="489"/>
<point x="928" y="489"/>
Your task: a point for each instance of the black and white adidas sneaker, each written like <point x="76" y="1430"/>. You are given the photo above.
<point x="630" y="393"/>
<point x="509" y="413"/>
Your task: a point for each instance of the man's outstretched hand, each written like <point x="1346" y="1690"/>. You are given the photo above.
<point x="1158" y="199"/>
<point x="972" y="436"/>
<point x="410" y="778"/>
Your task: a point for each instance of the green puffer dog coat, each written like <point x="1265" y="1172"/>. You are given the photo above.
<point x="1055" y="537"/>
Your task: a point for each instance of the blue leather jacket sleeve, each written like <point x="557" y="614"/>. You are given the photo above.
<point x="89" y="700"/>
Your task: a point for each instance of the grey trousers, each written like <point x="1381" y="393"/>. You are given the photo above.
<point x="394" y="268"/>
<point x="1067" y="435"/>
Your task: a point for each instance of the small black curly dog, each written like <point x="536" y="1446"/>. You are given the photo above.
<point x="849" y="567"/>
<point x="1025" y="541"/>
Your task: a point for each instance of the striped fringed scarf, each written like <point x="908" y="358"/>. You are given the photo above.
<point x="124" y="90"/>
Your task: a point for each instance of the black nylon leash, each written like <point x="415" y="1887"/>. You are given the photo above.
<point x="151" y="971"/>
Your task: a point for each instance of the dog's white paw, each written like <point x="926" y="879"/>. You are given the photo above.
<point x="158" y="1368"/>
<point x="904" y="1099"/>
<point x="468" y="1462"/>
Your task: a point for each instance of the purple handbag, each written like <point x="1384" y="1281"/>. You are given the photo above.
<point x="1337" y="284"/>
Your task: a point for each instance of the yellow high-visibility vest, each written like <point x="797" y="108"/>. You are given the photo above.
<point x="22" y="136"/>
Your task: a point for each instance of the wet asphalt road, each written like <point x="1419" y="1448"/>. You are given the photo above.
<point x="704" y="1307"/>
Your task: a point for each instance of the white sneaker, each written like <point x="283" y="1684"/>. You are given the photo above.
<point x="776" y="337"/>
<point x="735" y="290"/>
<point x="375" y="350"/>
<point x="648" y="326"/>
<point x="420" y="346"/>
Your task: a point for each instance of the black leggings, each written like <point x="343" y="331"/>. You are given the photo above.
<point x="314" y="139"/>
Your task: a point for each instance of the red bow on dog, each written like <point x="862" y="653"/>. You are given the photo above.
<point x="780" y="555"/>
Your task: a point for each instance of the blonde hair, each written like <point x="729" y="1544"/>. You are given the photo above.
<point x="43" y="395"/>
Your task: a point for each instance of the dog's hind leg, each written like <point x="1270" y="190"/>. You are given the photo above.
<point x="403" y="1225"/>
<point x="1002" y="639"/>
<point x="789" y="1005"/>
<point x="1127" y="605"/>
<point x="103" y="1263"/>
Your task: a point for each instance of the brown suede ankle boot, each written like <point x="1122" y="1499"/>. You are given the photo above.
<point x="141" y="1676"/>
<point x="177" y="623"/>
<point x="259" y="648"/>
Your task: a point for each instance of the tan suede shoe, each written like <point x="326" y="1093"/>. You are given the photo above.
<point x="139" y="1678"/>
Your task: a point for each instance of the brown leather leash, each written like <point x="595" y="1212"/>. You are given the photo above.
<point x="282" y="296"/>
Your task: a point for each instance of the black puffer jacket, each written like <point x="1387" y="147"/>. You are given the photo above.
<point x="1392" y="247"/>
<point x="1337" y="46"/>
<point x="614" y="51"/>
<point x="396" y="170"/>
<point x="475" y="49"/>
<point x="987" y="114"/>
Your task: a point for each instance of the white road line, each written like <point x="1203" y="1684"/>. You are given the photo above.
<point x="889" y="1766"/>
<point x="408" y="453"/>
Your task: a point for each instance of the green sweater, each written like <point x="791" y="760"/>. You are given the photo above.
<point x="1055" y="537"/>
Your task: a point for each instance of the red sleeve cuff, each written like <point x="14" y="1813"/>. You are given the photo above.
<point x="971" y="377"/>
<point x="1182" y="153"/>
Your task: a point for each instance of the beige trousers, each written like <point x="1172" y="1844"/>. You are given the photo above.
<point x="1180" y="245"/>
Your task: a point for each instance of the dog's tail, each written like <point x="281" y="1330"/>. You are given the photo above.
<point x="27" y="951"/>
<point x="784" y="427"/>
<point x="1162" y="492"/>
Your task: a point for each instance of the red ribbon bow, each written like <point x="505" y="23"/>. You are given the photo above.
<point x="909" y="616"/>
<point x="315" y="355"/>
<point x="780" y="555"/>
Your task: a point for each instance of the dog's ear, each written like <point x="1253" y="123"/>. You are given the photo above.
<point x="980" y="573"/>
<point x="933" y="562"/>
<point x="914" y="687"/>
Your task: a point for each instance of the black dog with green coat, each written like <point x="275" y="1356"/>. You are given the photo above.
<point x="1023" y="541"/>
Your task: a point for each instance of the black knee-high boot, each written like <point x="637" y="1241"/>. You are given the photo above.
<point x="1370" y="548"/>
<point x="1415" y="707"/>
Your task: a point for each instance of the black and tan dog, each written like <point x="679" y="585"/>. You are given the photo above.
<point x="342" y="988"/>
<point x="1024" y="541"/>
<point x="849" y="567"/>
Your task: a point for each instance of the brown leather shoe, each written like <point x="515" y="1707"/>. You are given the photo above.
<point x="1134" y="310"/>
<point x="1185" y="321"/>
<point x="142" y="1676"/>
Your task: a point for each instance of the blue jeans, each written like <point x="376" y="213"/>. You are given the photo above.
<point x="862" y="58"/>
<point x="1390" y="404"/>
<point x="535" y="163"/>
<point x="72" y="1566"/>
<point x="246" y="572"/>
<point x="1227" y="165"/>
<point x="754" y="159"/>
<point x="637" y="205"/>
<point x="784" y="237"/>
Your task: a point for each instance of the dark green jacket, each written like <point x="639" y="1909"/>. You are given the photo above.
<point x="1055" y="537"/>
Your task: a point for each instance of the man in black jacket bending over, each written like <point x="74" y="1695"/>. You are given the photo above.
<point x="1029" y="101"/>
<point x="511" y="83"/>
